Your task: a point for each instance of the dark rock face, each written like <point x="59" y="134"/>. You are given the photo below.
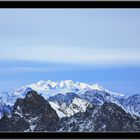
<point x="114" y="118"/>
<point x="33" y="113"/>
<point x="107" y="117"/>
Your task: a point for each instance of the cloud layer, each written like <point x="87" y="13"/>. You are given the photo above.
<point x="72" y="55"/>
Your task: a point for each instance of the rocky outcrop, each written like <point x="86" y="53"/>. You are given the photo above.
<point x="107" y="117"/>
<point x="33" y="113"/>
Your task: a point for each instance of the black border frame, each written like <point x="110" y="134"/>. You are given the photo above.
<point x="69" y="135"/>
<point x="70" y="4"/>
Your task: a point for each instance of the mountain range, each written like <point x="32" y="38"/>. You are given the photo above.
<point x="80" y="106"/>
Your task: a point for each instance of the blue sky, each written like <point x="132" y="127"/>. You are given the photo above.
<point x="87" y="45"/>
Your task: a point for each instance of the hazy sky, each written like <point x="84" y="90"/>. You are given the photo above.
<point x="88" y="45"/>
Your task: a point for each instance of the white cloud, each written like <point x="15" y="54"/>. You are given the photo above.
<point x="72" y="55"/>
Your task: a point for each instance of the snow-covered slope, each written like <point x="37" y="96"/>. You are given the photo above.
<point x="98" y="97"/>
<point x="6" y="103"/>
<point x="6" y="98"/>
<point x="68" y="104"/>
<point x="59" y="94"/>
<point x="51" y="88"/>
<point x="132" y="104"/>
<point x="100" y="118"/>
<point x="68" y="97"/>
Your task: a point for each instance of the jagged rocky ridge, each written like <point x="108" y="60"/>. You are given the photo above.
<point x="34" y="113"/>
<point x="94" y="94"/>
<point x="68" y="104"/>
<point x="68" y="97"/>
<point x="106" y="117"/>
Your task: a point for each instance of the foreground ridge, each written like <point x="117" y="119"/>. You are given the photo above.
<point x="107" y="117"/>
<point x="67" y="97"/>
<point x="33" y="113"/>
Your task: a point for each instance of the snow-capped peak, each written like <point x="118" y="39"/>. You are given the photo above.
<point x="68" y="82"/>
<point x="50" y="88"/>
<point x="97" y="87"/>
<point x="53" y="84"/>
<point x="40" y="83"/>
<point x="63" y="86"/>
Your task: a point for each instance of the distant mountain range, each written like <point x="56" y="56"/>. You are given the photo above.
<point x="73" y="106"/>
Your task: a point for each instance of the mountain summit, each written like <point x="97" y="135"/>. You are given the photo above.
<point x="67" y="97"/>
<point x="33" y="113"/>
<point x="89" y="111"/>
<point x="50" y="88"/>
